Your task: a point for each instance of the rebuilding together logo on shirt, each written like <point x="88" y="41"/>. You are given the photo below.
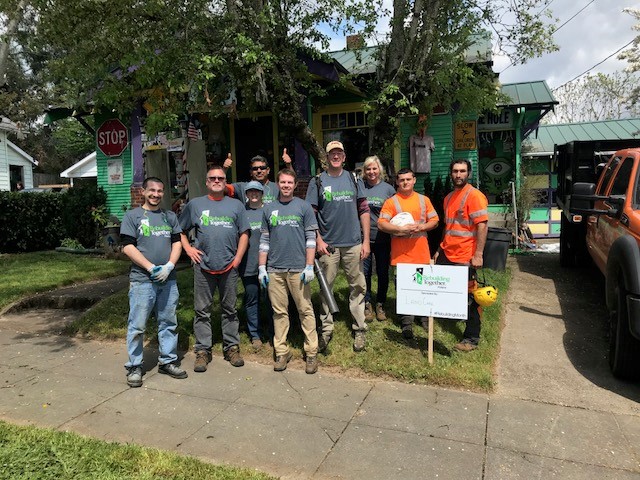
<point x="284" y="220"/>
<point x="341" y="196"/>
<point x="220" y="221"/>
<point x="147" y="230"/>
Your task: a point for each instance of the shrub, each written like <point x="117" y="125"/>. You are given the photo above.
<point x="77" y="215"/>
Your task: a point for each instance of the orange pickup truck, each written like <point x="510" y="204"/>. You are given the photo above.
<point x="612" y="239"/>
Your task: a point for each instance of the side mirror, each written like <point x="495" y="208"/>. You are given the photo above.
<point x="580" y="196"/>
<point x="616" y="202"/>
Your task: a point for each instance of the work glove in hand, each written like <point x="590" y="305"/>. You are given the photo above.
<point x="307" y="274"/>
<point x="263" y="276"/>
<point x="153" y="270"/>
<point x="162" y="274"/>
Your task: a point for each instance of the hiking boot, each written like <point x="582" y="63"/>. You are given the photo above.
<point x="368" y="312"/>
<point x="407" y="333"/>
<point x="359" y="341"/>
<point x="380" y="313"/>
<point x="323" y="343"/>
<point x="134" y="377"/>
<point x="466" y="345"/>
<point x="312" y="365"/>
<point x="256" y="344"/>
<point x="203" y="357"/>
<point x="232" y="355"/>
<point x="281" y="361"/>
<point x="172" y="370"/>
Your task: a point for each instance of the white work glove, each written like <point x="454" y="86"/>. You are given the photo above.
<point x="263" y="276"/>
<point x="307" y="274"/>
<point x="153" y="270"/>
<point x="162" y="274"/>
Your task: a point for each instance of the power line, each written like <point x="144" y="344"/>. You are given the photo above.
<point x="597" y="64"/>
<point x="554" y="32"/>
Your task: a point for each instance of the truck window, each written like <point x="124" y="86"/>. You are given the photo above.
<point x="608" y="172"/>
<point x="621" y="180"/>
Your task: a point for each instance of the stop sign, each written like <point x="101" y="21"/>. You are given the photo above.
<point x="112" y="137"/>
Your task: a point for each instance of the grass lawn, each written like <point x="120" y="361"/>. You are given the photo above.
<point x="38" y="454"/>
<point x="387" y="353"/>
<point x="28" y="273"/>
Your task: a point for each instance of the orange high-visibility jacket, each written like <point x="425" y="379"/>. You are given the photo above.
<point x="463" y="210"/>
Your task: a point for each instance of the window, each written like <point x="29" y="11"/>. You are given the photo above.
<point x="352" y="130"/>
<point x="621" y="180"/>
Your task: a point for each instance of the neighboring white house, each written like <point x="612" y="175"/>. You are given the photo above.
<point x="16" y="166"/>
<point x="85" y="168"/>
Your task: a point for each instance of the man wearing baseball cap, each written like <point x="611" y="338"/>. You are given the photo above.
<point x="343" y="238"/>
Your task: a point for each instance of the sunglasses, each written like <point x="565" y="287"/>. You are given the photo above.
<point x="216" y="179"/>
<point x="255" y="169"/>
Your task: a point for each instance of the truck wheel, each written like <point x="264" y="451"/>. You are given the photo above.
<point x="624" y="349"/>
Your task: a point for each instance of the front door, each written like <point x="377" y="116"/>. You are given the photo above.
<point x="252" y="137"/>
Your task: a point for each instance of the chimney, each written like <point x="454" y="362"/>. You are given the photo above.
<point x="354" y="42"/>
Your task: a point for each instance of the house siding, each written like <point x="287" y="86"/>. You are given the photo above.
<point x="8" y="156"/>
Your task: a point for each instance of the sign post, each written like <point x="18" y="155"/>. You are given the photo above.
<point x="112" y="137"/>
<point x="433" y="291"/>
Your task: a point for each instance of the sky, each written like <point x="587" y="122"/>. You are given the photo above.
<point x="586" y="40"/>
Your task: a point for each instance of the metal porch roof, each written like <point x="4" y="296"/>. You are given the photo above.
<point x="526" y="94"/>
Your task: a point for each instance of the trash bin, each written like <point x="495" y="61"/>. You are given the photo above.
<point x="497" y="248"/>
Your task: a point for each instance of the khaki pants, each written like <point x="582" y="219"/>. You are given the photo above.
<point x="349" y="258"/>
<point x="280" y="285"/>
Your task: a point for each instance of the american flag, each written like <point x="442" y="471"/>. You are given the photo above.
<point x="192" y="132"/>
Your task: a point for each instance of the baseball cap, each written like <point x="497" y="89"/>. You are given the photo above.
<point x="253" y="185"/>
<point x="334" y="144"/>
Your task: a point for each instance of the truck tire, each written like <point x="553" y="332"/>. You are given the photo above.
<point x="624" y="349"/>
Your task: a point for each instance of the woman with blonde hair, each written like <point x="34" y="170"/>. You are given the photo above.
<point x="377" y="190"/>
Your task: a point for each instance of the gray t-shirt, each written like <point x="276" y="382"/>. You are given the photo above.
<point x="376" y="196"/>
<point x="270" y="193"/>
<point x="218" y="225"/>
<point x="152" y="230"/>
<point x="286" y="224"/>
<point x="338" y="217"/>
<point x="249" y="265"/>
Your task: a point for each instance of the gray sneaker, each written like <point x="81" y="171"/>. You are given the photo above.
<point x="134" y="377"/>
<point x="359" y="341"/>
<point x="172" y="370"/>
<point x="281" y="362"/>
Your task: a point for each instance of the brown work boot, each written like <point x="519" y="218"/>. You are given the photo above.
<point x="312" y="364"/>
<point x="323" y="343"/>
<point x="232" y="355"/>
<point x="465" y="346"/>
<point x="280" y="364"/>
<point x="256" y="344"/>
<point x="368" y="312"/>
<point x="203" y="357"/>
<point x="380" y="314"/>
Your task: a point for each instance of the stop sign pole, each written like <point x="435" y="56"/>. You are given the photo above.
<point x="112" y="137"/>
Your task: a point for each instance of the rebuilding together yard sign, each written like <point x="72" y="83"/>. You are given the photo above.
<point x="432" y="290"/>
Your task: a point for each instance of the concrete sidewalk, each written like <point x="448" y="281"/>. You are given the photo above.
<point x="320" y="426"/>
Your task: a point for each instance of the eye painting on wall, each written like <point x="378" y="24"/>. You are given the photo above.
<point x="496" y="165"/>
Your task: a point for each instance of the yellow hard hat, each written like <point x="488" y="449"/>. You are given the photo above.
<point x="485" y="296"/>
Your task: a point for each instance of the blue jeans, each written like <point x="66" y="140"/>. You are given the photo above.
<point x="382" y="253"/>
<point x="162" y="300"/>
<point x="258" y="327"/>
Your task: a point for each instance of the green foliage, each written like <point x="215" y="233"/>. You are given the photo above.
<point x="47" y="454"/>
<point x="84" y="214"/>
<point x="31" y="221"/>
<point x="71" y="243"/>
<point x="436" y="191"/>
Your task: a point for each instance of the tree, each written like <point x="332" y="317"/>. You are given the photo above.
<point x="596" y="97"/>
<point x="632" y="55"/>
<point x="196" y="55"/>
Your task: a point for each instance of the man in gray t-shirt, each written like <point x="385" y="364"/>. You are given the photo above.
<point x="259" y="171"/>
<point x="151" y="239"/>
<point x="287" y="251"/>
<point x="343" y="218"/>
<point x="221" y="239"/>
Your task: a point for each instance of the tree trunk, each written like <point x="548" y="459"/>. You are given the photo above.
<point x="12" y="27"/>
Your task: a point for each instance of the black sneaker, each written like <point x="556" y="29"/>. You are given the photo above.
<point x="134" y="377"/>
<point x="172" y="370"/>
<point x="407" y="333"/>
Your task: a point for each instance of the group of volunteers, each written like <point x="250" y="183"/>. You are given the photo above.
<point x="261" y="232"/>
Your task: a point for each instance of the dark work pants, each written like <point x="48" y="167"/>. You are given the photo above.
<point x="381" y="251"/>
<point x="472" y="329"/>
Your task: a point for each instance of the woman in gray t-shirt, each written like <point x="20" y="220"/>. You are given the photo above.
<point x="377" y="191"/>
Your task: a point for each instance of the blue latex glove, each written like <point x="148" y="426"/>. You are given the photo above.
<point x="154" y="270"/>
<point x="307" y="274"/>
<point x="263" y="276"/>
<point x="162" y="274"/>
